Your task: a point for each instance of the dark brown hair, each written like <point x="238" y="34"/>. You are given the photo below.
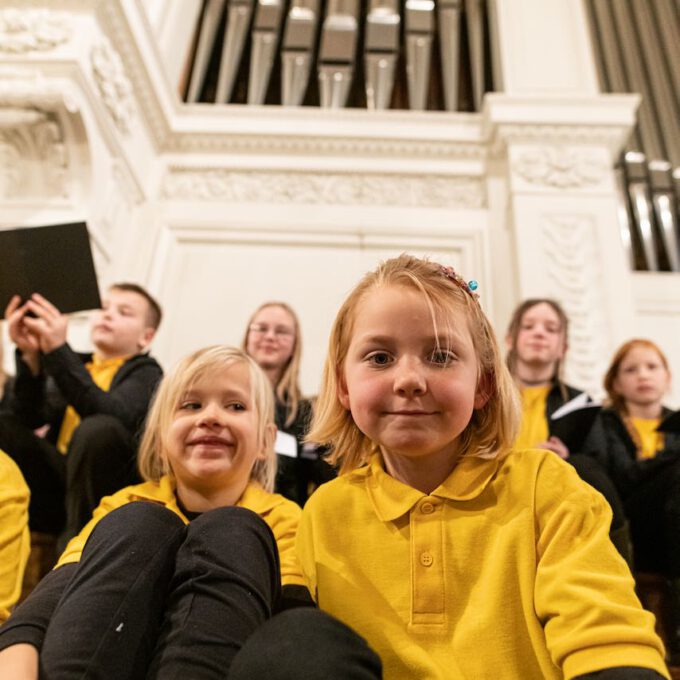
<point x="516" y="324"/>
<point x="154" y="313"/>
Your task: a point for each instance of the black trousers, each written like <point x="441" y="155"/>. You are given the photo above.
<point x="653" y="509"/>
<point x="101" y="459"/>
<point x="154" y="598"/>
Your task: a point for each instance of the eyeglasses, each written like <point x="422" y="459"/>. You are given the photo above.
<point x="279" y="331"/>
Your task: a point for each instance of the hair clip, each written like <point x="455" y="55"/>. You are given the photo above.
<point x="468" y="286"/>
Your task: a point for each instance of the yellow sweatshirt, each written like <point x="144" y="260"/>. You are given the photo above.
<point x="15" y="542"/>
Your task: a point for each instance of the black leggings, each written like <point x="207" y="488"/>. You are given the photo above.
<point x="155" y="598"/>
<point x="101" y="459"/>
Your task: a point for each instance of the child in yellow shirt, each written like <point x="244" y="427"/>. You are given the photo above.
<point x="454" y="555"/>
<point x="171" y="576"/>
<point x="645" y="463"/>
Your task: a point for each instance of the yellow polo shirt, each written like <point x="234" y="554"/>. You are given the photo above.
<point x="534" y="425"/>
<point x="102" y="372"/>
<point x="15" y="542"/>
<point x="504" y="571"/>
<point x="651" y="440"/>
<point x="279" y="513"/>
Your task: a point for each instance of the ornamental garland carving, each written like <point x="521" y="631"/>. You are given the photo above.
<point x="559" y="167"/>
<point x="324" y="188"/>
<point x="569" y="245"/>
<point x="32" y="30"/>
<point x="33" y="156"/>
<point x="113" y="84"/>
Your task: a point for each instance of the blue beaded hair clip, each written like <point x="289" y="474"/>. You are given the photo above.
<point x="468" y="286"/>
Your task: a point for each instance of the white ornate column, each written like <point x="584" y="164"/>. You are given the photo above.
<point x="558" y="156"/>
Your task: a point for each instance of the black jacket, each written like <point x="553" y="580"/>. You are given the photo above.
<point x="64" y="380"/>
<point x="621" y="463"/>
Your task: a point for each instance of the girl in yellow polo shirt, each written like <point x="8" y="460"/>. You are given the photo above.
<point x="173" y="585"/>
<point x="454" y="555"/>
<point x="645" y="463"/>
<point x="537" y="342"/>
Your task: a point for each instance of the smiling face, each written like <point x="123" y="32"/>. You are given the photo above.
<point x="642" y="378"/>
<point x="409" y="391"/>
<point x="213" y="442"/>
<point x="540" y="338"/>
<point x="121" y="327"/>
<point x="271" y="338"/>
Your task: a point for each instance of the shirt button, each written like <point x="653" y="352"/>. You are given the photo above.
<point x="427" y="508"/>
<point x="426" y="559"/>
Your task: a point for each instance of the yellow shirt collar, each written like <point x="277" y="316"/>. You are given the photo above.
<point x="254" y="497"/>
<point x="392" y="498"/>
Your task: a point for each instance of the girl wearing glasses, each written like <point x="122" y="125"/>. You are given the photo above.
<point x="273" y="340"/>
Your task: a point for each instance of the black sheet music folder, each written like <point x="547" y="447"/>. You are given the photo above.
<point x="55" y="261"/>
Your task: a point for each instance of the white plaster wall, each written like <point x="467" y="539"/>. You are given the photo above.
<point x="216" y="209"/>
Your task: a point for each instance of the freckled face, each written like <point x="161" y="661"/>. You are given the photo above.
<point x="410" y="394"/>
<point x="213" y="438"/>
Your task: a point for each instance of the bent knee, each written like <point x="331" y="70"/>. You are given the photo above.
<point x="138" y="522"/>
<point x="101" y="425"/>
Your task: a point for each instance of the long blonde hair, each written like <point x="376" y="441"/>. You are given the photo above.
<point x="287" y="390"/>
<point x="152" y="461"/>
<point x="492" y="428"/>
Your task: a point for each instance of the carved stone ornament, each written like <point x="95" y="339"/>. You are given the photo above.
<point x="113" y="84"/>
<point x="33" y="156"/>
<point x="32" y="30"/>
<point x="324" y="188"/>
<point x="569" y="244"/>
<point x="559" y="167"/>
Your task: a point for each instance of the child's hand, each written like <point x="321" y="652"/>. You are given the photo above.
<point x="49" y="324"/>
<point x="19" y="662"/>
<point x="27" y="342"/>
<point x="556" y="445"/>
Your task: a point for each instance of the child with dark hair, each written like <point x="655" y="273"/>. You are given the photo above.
<point x="537" y="342"/>
<point x="87" y="408"/>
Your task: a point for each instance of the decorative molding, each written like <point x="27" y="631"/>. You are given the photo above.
<point x="34" y="160"/>
<point x="300" y="143"/>
<point x="330" y="188"/>
<point x="27" y="88"/>
<point x="611" y="137"/>
<point x="32" y="30"/>
<point x="113" y="84"/>
<point x="576" y="280"/>
<point x="560" y="167"/>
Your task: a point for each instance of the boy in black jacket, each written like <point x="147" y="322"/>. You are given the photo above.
<point x="75" y="417"/>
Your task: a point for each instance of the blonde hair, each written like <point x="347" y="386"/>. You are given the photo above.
<point x="492" y="428"/>
<point x="287" y="390"/>
<point x="152" y="461"/>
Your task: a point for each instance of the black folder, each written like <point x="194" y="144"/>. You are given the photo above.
<point x="55" y="261"/>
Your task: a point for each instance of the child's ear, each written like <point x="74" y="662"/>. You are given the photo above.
<point x="146" y="338"/>
<point x="508" y="342"/>
<point x="269" y="439"/>
<point x="343" y="394"/>
<point x="484" y="390"/>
